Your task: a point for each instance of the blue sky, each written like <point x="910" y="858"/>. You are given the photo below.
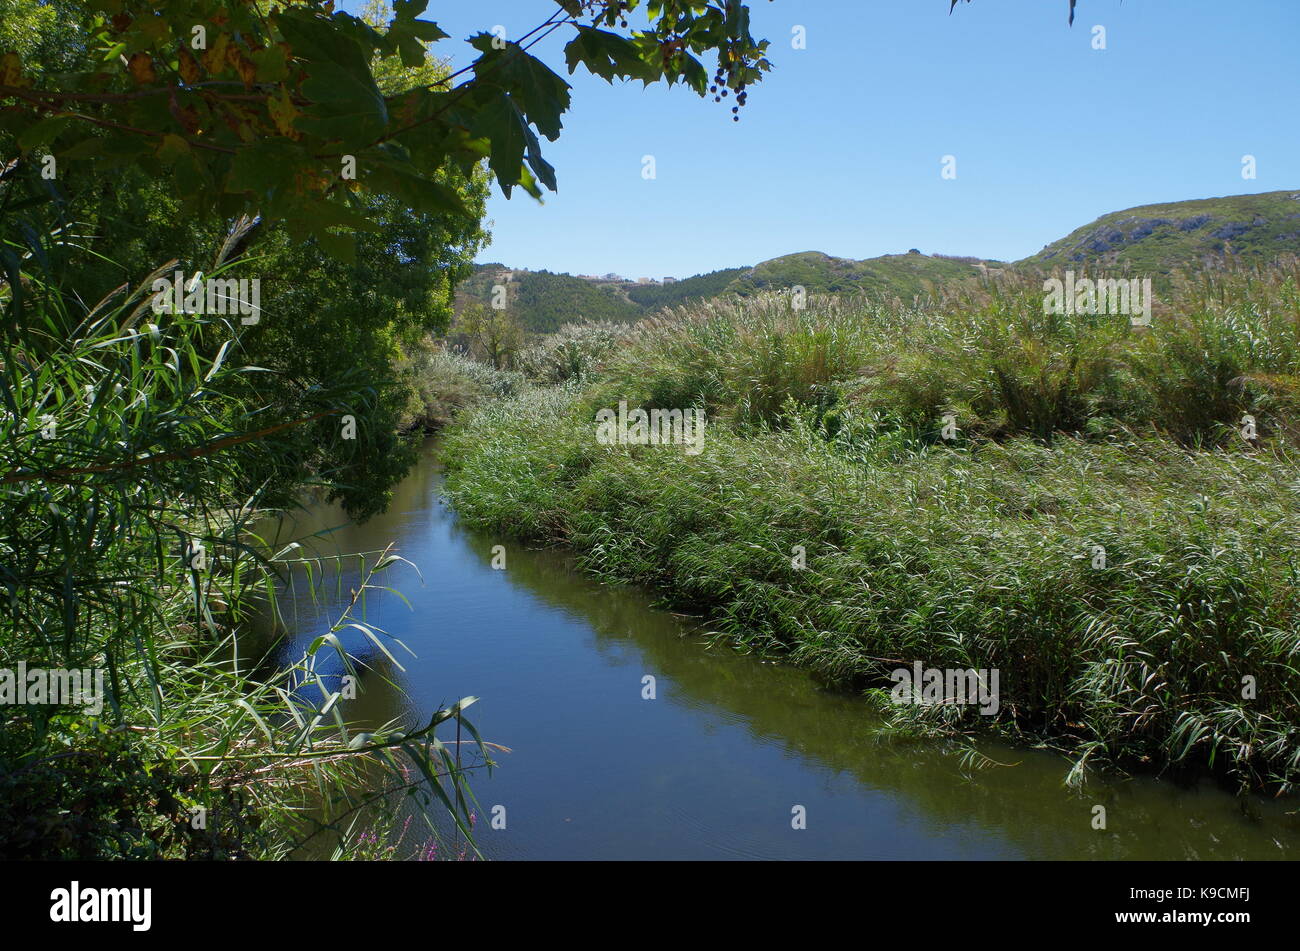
<point x="840" y="148"/>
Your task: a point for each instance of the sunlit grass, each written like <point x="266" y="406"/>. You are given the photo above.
<point x="1180" y="647"/>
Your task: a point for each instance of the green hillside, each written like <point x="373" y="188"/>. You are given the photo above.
<point x="1154" y="240"/>
<point x="654" y="296"/>
<point x="902" y="275"/>
<point x="544" y="301"/>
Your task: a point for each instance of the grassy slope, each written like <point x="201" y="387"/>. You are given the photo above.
<point x="699" y="287"/>
<point x="544" y="302"/>
<point x="900" y="275"/>
<point x="1153" y="240"/>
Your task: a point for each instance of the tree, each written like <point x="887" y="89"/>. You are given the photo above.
<point x="494" y="333"/>
<point x="137" y="442"/>
<point x="322" y="319"/>
<point x="276" y="109"/>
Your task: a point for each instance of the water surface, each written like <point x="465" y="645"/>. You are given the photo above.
<point x="714" y="765"/>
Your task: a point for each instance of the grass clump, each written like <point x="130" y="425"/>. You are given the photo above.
<point x="1225" y="347"/>
<point x="445" y="381"/>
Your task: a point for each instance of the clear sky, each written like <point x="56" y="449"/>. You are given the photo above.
<point x="840" y="147"/>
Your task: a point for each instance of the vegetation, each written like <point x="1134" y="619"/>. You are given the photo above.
<point x="655" y="296"/>
<point x="149" y="581"/>
<point x="331" y="158"/>
<point x="1157" y="240"/>
<point x="1153" y="241"/>
<point x="542" y="302"/>
<point x="282" y="109"/>
<point x="448" y="381"/>
<point x="905" y="276"/>
<point x="1075" y="437"/>
<point x="574" y="351"/>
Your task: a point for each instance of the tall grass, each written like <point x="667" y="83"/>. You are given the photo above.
<point x="445" y="381"/>
<point x="1180" y="647"/>
<point x="574" y="351"/>
<point x="1221" y="349"/>
<point x="126" y="446"/>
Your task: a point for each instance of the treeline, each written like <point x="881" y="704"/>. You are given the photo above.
<point x="542" y="302"/>
<point x="655" y="296"/>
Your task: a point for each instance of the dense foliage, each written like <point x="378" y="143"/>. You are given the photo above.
<point x="280" y="108"/>
<point x="1179" y="647"/>
<point x="334" y="161"/>
<point x="655" y="296"/>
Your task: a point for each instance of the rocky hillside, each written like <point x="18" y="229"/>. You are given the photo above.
<point x="1154" y="240"/>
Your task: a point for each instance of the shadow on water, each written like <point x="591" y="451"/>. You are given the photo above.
<point x="715" y="764"/>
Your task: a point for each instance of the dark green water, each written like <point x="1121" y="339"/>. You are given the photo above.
<point x="711" y="768"/>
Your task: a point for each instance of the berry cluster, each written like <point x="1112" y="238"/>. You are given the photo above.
<point x="720" y="91"/>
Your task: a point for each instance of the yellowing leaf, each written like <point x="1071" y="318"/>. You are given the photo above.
<point x="214" y="60"/>
<point x="11" y="70"/>
<point x="283" y="112"/>
<point x="173" y="147"/>
<point x="244" y="66"/>
<point x="189" y="66"/>
<point x="141" y="67"/>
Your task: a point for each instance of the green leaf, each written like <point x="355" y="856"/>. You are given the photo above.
<point x="346" y="106"/>
<point x="88" y="147"/>
<point x="607" y="55"/>
<point x="172" y="148"/>
<point x="374" y="639"/>
<point x="322" y="40"/>
<point x="500" y="122"/>
<point x="341" y="247"/>
<point x="43" y="132"/>
<point x="541" y="95"/>
<point x="422" y="194"/>
<point x="264" y="167"/>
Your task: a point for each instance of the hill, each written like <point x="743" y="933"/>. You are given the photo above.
<point x="544" y="301"/>
<point x="1147" y="241"/>
<point x="1154" y="240"/>
<point x="899" y="275"/>
<point x="654" y="296"/>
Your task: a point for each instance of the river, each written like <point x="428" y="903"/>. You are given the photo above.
<point x="715" y="766"/>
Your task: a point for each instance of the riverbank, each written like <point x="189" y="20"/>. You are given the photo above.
<point x="1137" y="595"/>
<point x="711" y="765"/>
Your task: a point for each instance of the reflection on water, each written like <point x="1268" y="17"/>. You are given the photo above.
<point x="712" y="767"/>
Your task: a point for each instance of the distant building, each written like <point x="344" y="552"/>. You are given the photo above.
<point x="670" y="280"/>
<point x="644" y="280"/>
<point x="613" y="277"/>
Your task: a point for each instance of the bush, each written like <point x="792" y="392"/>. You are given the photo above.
<point x="574" y="351"/>
<point x="447" y="381"/>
